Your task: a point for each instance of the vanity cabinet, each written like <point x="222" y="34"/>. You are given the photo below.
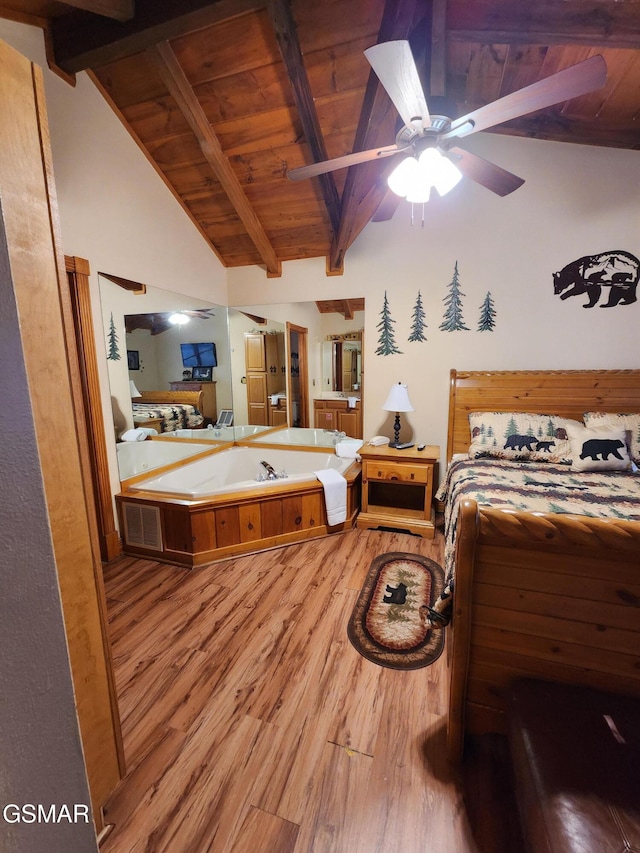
<point x="337" y="414"/>
<point x="209" y="405"/>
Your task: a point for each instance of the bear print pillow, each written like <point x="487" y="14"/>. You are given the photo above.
<point x="602" y="449"/>
<point x="608" y="420"/>
<point x="520" y="436"/>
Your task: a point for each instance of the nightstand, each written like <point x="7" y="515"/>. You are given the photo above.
<point x="397" y="488"/>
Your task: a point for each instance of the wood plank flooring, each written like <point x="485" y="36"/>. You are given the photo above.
<point x="251" y="724"/>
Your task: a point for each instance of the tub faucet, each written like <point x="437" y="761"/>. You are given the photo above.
<point x="271" y="474"/>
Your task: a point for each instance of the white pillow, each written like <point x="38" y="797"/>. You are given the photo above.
<point x="610" y="420"/>
<point x="598" y="449"/>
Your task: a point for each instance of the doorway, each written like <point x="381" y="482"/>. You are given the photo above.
<point x="298" y="375"/>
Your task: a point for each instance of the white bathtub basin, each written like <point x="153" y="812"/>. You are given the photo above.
<point x="238" y="468"/>
<point x="299" y="436"/>
<point x="138" y="457"/>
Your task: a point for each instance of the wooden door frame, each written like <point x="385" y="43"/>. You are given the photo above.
<point x="81" y="340"/>
<point x="303" y="365"/>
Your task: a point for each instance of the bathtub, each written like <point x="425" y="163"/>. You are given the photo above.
<point x="227" y="433"/>
<point x="139" y="457"/>
<point x="237" y="469"/>
<point x="299" y="437"/>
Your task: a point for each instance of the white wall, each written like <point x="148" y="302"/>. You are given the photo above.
<point x="577" y="200"/>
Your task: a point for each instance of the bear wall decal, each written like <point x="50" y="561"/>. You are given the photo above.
<point x="617" y="270"/>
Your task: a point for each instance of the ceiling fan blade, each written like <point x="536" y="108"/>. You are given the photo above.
<point x="315" y="169"/>
<point x="387" y="207"/>
<point x="577" y="80"/>
<point x="395" y="67"/>
<point x="483" y="172"/>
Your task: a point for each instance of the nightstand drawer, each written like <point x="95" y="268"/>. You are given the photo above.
<point x="399" y="471"/>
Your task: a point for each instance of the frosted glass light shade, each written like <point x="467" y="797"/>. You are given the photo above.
<point x="404" y="176"/>
<point x="133" y="390"/>
<point x="413" y="179"/>
<point x="443" y="175"/>
<point x="398" y="399"/>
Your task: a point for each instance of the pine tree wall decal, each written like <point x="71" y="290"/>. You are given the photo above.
<point x="113" y="353"/>
<point x="418" y="324"/>
<point x="452" y="320"/>
<point x="386" y="341"/>
<point x="487" y="321"/>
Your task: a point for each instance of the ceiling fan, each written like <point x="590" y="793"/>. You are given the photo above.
<point x="434" y="137"/>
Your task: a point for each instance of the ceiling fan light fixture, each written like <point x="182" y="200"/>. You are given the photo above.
<point x="404" y="176"/>
<point x="440" y="171"/>
<point x="178" y="318"/>
<point x="413" y="179"/>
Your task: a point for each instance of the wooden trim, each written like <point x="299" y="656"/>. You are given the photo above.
<point x="125" y="283"/>
<point x="465" y="555"/>
<point x="303" y="362"/>
<point x="23" y="18"/>
<point x="83" y="341"/>
<point x="180" y="89"/>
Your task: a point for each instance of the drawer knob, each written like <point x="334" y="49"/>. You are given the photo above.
<point x="393" y="477"/>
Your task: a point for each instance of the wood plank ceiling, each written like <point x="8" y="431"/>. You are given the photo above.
<point x="224" y="97"/>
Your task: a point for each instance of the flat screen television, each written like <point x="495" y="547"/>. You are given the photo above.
<point x="198" y="355"/>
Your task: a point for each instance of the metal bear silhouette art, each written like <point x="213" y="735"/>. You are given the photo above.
<point x="395" y="594"/>
<point x="616" y="269"/>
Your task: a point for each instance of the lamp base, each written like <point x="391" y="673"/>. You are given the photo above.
<point x="396" y="431"/>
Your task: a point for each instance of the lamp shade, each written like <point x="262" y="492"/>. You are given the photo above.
<point x="133" y="390"/>
<point x="398" y="399"/>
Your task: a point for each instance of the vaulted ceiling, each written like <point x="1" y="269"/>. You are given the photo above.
<point x="225" y="97"/>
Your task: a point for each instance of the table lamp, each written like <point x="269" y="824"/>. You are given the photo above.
<point x="133" y="390"/>
<point x="398" y="401"/>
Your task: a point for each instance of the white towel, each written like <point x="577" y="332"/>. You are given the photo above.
<point x="335" y="495"/>
<point x="274" y="399"/>
<point x="134" y="435"/>
<point x="351" y="402"/>
<point x="348" y="448"/>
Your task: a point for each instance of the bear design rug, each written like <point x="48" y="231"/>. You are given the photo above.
<point x="388" y="625"/>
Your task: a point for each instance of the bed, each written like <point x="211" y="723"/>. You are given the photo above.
<point x="168" y="410"/>
<point x="537" y="593"/>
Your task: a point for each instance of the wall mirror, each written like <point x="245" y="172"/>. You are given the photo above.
<point x="152" y="352"/>
<point x="342" y="364"/>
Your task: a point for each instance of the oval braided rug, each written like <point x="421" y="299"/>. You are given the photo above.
<point x="388" y="625"/>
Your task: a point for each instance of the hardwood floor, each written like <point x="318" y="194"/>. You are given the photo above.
<point x="250" y="723"/>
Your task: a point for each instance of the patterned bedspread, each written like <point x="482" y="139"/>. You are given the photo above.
<point x="174" y="416"/>
<point x="532" y="487"/>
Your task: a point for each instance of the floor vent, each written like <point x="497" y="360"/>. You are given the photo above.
<point x="142" y="526"/>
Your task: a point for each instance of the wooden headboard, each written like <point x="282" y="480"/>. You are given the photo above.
<point x="569" y="393"/>
<point x="177" y="398"/>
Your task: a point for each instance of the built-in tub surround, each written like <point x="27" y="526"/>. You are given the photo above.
<point x="137" y="459"/>
<point x="214" y="433"/>
<point x="238" y="469"/>
<point x="216" y="508"/>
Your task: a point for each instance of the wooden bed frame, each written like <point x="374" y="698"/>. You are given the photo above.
<point x="168" y="398"/>
<point x="536" y="594"/>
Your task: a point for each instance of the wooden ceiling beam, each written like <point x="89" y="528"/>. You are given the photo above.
<point x="23" y="17"/>
<point x="119" y="10"/>
<point x="133" y="286"/>
<point x="591" y="23"/>
<point x="82" y="40"/>
<point x="180" y="89"/>
<point x="397" y="21"/>
<point x="347" y="310"/>
<point x="438" y="75"/>
<point x="287" y="37"/>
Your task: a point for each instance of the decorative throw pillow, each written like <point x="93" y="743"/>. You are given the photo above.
<point x="601" y="449"/>
<point x="520" y="436"/>
<point x="630" y="422"/>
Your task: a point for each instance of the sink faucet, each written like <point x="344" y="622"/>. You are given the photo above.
<point x="271" y="474"/>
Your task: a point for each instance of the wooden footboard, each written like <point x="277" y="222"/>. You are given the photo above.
<point x="548" y="596"/>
